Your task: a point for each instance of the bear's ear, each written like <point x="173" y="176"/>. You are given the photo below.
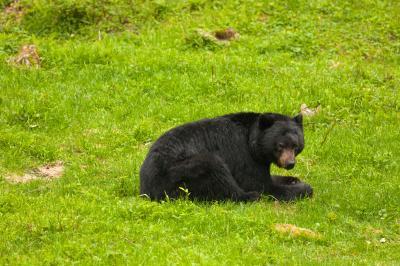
<point x="298" y="119"/>
<point x="265" y="121"/>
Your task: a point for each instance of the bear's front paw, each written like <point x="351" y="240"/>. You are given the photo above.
<point x="285" y="180"/>
<point x="299" y="191"/>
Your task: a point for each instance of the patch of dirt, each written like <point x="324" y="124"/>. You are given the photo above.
<point x="21" y="179"/>
<point x="28" y="56"/>
<point x="53" y="170"/>
<point x="293" y="230"/>
<point x="46" y="172"/>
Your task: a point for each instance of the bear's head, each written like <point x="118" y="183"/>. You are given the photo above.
<point x="277" y="139"/>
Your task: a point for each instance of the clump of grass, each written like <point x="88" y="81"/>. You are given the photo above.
<point x="204" y="40"/>
<point x="66" y="18"/>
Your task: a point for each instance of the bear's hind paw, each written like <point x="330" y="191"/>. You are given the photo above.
<point x="250" y="196"/>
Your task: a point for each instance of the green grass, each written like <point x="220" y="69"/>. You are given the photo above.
<point x="97" y="103"/>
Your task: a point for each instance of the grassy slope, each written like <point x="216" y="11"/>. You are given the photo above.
<point x="97" y="104"/>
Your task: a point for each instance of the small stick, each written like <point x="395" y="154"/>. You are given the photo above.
<point x="212" y="73"/>
<point x="328" y="132"/>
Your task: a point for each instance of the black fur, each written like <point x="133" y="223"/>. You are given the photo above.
<point x="226" y="157"/>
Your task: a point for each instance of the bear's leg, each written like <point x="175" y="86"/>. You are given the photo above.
<point x="207" y="177"/>
<point x="289" y="188"/>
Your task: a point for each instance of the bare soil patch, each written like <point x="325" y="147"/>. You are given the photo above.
<point x="49" y="171"/>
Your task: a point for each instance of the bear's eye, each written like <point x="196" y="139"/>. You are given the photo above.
<point x="281" y="146"/>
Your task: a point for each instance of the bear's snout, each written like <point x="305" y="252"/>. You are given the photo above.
<point x="290" y="165"/>
<point x="287" y="159"/>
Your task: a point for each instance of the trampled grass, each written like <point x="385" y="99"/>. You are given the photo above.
<point x="116" y="75"/>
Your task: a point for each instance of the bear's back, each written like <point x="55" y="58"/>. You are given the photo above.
<point x="207" y="135"/>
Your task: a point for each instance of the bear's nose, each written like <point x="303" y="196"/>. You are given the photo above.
<point x="290" y="165"/>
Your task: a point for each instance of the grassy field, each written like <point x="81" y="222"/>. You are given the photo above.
<point x="115" y="75"/>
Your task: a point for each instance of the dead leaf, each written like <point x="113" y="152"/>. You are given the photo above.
<point x="28" y="56"/>
<point x="373" y="231"/>
<point x="15" y="10"/>
<point x="263" y="17"/>
<point x="226" y="34"/>
<point x="295" y="231"/>
<point x="45" y="172"/>
<point x="334" y="64"/>
<point x="306" y="111"/>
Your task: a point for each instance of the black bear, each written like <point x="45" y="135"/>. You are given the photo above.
<point x="227" y="157"/>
